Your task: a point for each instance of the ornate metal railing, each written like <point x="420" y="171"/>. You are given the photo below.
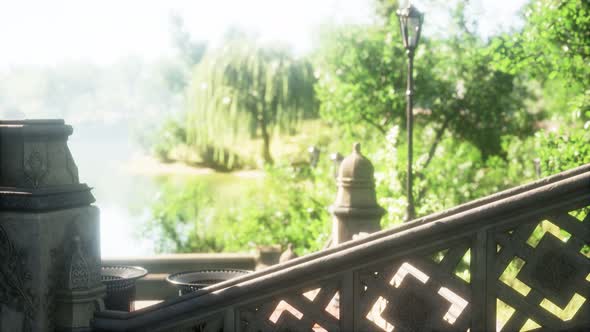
<point x="514" y="260"/>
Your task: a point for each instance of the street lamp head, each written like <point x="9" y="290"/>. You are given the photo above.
<point x="410" y="20"/>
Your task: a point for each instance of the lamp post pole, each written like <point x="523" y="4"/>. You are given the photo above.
<point x="410" y="20"/>
<point x="410" y="214"/>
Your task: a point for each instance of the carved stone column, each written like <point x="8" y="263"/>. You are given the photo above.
<point x="355" y="209"/>
<point x="49" y="232"/>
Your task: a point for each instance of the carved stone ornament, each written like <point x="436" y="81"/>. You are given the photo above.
<point x="78" y="272"/>
<point x="73" y="266"/>
<point x="35" y="165"/>
<point x="36" y="154"/>
<point x="14" y="278"/>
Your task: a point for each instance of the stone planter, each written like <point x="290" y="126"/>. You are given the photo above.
<point x="191" y="281"/>
<point x="120" y="284"/>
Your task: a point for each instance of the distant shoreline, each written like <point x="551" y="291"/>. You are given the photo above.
<point x="150" y="166"/>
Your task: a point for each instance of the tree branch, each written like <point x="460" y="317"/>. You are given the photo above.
<point x="431" y="152"/>
<point x="374" y="124"/>
<point x="436" y="142"/>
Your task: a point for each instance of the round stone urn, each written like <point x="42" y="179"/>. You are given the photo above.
<point x="191" y="281"/>
<point x="120" y="283"/>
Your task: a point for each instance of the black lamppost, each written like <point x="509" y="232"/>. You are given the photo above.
<point x="410" y="20"/>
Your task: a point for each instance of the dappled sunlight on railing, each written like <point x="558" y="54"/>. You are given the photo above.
<point x="543" y="268"/>
<point x="514" y="265"/>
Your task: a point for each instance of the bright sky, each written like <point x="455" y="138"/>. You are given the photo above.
<point x="48" y="32"/>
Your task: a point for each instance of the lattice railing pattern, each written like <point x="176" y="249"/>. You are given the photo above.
<point x="541" y="280"/>
<point x="542" y="269"/>
<point x="415" y="294"/>
<point x="541" y="272"/>
<point x="419" y="293"/>
<point x="519" y="264"/>
<point x="314" y="309"/>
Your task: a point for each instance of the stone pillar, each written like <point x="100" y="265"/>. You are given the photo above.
<point x="355" y="210"/>
<point x="49" y="232"/>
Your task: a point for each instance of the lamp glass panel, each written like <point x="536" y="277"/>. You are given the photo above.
<point x="413" y="28"/>
<point x="403" y="24"/>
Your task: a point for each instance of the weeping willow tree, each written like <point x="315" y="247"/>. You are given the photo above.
<point x="244" y="90"/>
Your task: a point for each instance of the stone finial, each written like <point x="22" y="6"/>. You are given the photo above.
<point x="355" y="209"/>
<point x="356" y="167"/>
<point x="267" y="256"/>
<point x="288" y="254"/>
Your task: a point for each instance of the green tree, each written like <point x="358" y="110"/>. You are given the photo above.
<point x="464" y="107"/>
<point x="554" y="48"/>
<point x="385" y="8"/>
<point x="189" y="53"/>
<point x="363" y="80"/>
<point x="243" y="89"/>
<point x="182" y="218"/>
<point x="555" y="41"/>
<point x="487" y="103"/>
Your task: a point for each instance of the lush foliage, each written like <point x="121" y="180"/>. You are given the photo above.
<point x="490" y="114"/>
<point x="553" y="43"/>
<point x="554" y="48"/>
<point x="292" y="208"/>
<point x="560" y="152"/>
<point x="244" y="88"/>
<point x="181" y="220"/>
<point x="289" y="207"/>
<point x="363" y="80"/>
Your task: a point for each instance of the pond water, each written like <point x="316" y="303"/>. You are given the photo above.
<point x="125" y="182"/>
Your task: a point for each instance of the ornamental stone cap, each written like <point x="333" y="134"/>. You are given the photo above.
<point x="35" y="128"/>
<point x="35" y="154"/>
<point x="355" y="209"/>
<point x="288" y="254"/>
<point x="356" y="186"/>
<point x="356" y="169"/>
<point x="37" y="170"/>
